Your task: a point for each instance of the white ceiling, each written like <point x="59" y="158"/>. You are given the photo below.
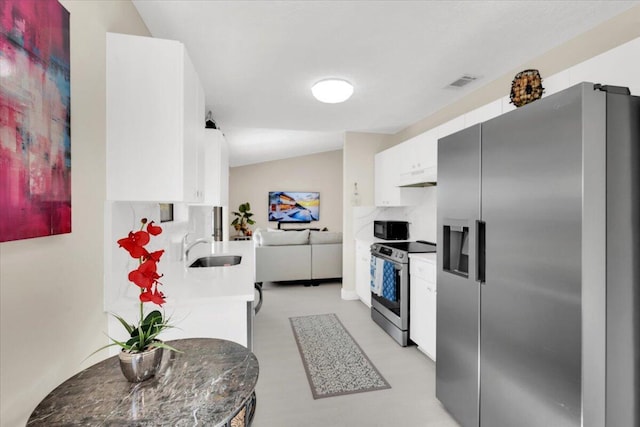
<point x="258" y="59"/>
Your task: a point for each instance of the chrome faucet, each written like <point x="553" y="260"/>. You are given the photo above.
<point x="186" y="247"/>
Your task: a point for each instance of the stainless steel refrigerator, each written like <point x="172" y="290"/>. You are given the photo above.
<point x="538" y="304"/>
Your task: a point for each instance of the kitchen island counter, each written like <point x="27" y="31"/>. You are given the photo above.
<point x="188" y="286"/>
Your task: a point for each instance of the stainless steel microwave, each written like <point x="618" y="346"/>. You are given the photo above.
<point x="391" y="230"/>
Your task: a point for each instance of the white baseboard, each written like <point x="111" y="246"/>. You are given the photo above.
<point x="348" y="295"/>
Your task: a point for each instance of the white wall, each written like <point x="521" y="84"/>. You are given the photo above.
<point x="316" y="172"/>
<point x="51" y="315"/>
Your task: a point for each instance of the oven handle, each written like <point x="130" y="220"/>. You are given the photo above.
<point x="397" y="265"/>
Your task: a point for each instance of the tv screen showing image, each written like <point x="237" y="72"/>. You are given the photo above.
<point x="294" y="206"/>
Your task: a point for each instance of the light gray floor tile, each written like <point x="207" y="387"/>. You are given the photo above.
<point x="284" y="395"/>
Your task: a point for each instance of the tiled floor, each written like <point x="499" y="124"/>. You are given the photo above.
<point x="284" y="396"/>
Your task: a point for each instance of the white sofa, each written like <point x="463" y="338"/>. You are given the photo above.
<point x="297" y="255"/>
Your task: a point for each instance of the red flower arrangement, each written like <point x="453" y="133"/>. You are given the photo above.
<point x="146" y="275"/>
<point x="143" y="336"/>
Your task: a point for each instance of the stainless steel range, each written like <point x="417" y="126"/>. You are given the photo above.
<point x="390" y="285"/>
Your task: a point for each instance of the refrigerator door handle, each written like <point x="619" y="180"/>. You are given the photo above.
<point x="480" y="251"/>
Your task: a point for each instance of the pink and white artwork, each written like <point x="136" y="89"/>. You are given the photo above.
<point x="35" y="119"/>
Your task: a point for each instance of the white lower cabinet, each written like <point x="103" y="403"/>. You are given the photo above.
<point x="226" y="319"/>
<point x="363" y="274"/>
<point x="422" y="303"/>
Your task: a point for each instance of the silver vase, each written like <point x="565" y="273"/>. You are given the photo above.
<point x="137" y="367"/>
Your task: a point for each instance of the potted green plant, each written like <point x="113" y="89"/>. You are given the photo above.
<point x="243" y="219"/>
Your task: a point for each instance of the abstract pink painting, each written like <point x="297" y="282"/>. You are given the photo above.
<point x="35" y="119"/>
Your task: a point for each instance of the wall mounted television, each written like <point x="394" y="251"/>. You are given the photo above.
<point x="294" y="206"/>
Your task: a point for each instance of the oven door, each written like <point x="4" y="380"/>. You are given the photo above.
<point x="395" y="310"/>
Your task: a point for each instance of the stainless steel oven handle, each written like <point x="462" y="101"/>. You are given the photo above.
<point x="397" y="265"/>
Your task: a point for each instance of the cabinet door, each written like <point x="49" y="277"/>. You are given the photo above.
<point x="428" y="274"/>
<point x="430" y="322"/>
<point x="193" y="132"/>
<point x="484" y="113"/>
<point x="363" y="274"/>
<point x="416" y="310"/>
<point x="154" y="114"/>
<point x="450" y="127"/>
<point x="216" y="168"/>
<point x="387" y="192"/>
<point x="418" y="159"/>
<point x="381" y="178"/>
<point x="423" y="310"/>
<point x="431" y="310"/>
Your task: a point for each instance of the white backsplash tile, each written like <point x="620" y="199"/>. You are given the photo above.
<point x="123" y="217"/>
<point x="422" y="218"/>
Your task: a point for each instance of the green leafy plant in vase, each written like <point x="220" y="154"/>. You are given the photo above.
<point x="243" y="219"/>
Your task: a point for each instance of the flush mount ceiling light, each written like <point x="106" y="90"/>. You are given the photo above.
<point x="332" y="91"/>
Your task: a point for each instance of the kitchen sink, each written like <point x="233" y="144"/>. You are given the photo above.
<point x="217" y="261"/>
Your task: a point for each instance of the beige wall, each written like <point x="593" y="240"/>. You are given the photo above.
<point x="316" y="172"/>
<point x="358" y="156"/>
<point x="51" y="313"/>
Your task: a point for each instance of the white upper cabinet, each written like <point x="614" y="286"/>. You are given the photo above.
<point x="484" y="113"/>
<point x="418" y="160"/>
<point x="403" y="168"/>
<point x="387" y="174"/>
<point x="452" y="126"/>
<point x="155" y="121"/>
<point x="616" y="67"/>
<point x="216" y="168"/>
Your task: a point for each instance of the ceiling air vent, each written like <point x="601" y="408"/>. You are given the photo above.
<point x="462" y="81"/>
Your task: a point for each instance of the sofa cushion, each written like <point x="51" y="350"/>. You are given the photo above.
<point x="257" y="234"/>
<point x="325" y="237"/>
<point x="284" y="238"/>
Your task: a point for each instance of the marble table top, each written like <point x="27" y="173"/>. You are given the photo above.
<point x="204" y="385"/>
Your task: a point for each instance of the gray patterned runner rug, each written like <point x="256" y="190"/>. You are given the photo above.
<point x="334" y="362"/>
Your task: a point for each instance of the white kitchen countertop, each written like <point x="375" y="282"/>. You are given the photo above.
<point x="185" y="286"/>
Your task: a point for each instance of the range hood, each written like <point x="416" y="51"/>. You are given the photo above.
<point x="420" y="184"/>
<point x="426" y="176"/>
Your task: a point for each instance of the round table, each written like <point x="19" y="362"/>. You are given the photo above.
<point x="212" y="383"/>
